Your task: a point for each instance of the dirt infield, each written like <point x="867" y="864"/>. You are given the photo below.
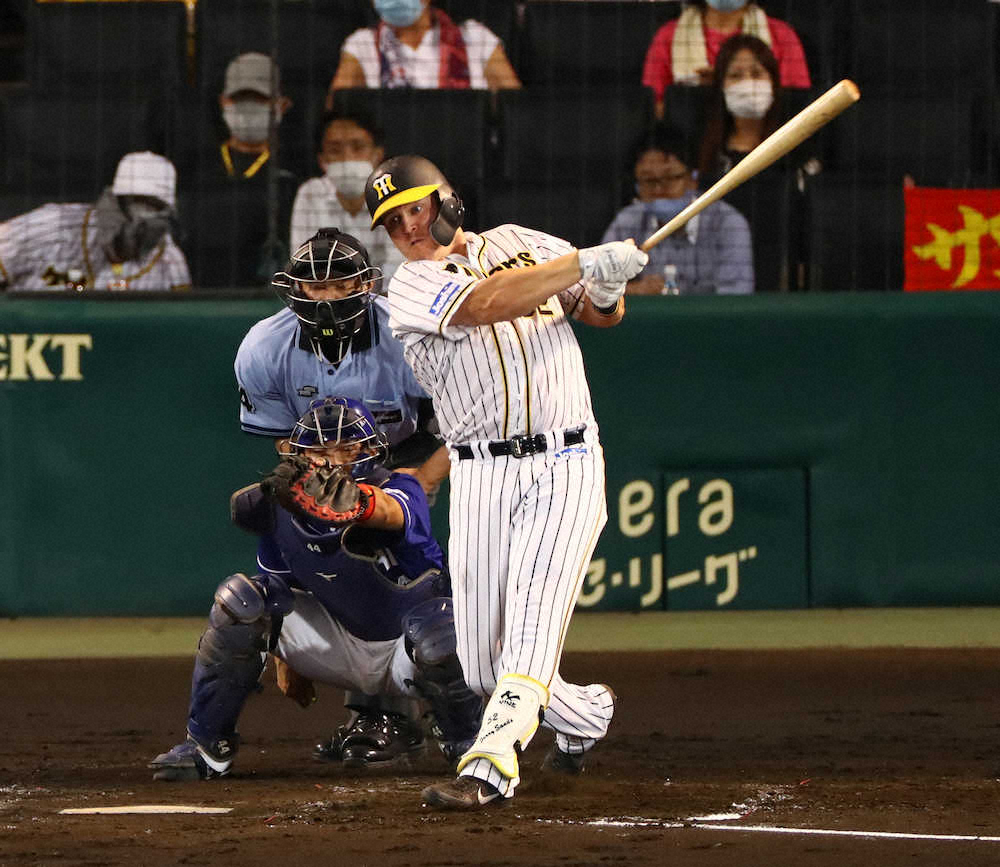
<point x="902" y="742"/>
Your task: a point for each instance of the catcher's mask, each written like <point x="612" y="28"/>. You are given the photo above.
<point x="333" y="264"/>
<point x="344" y="425"/>
<point x="402" y="180"/>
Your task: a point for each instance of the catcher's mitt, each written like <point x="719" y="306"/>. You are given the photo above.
<point x="323" y="491"/>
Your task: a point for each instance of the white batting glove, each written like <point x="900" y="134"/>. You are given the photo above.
<point x="612" y="263"/>
<point x="604" y="295"/>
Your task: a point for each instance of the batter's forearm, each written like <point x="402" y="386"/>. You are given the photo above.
<point x="516" y="292"/>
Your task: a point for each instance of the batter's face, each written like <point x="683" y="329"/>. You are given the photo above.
<point x="332" y="290"/>
<point x="409" y="227"/>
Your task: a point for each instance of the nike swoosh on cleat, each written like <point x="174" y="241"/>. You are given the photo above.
<point x="487" y="799"/>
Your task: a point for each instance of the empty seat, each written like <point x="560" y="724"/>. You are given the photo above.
<point x="577" y="135"/>
<point x="134" y="48"/>
<point x="501" y="18"/>
<point x="594" y="43"/>
<point x="922" y="47"/>
<point x="578" y="213"/>
<point x="308" y="39"/>
<point x="855" y="235"/>
<point x="449" y="127"/>
<point x="68" y="147"/>
<point x="887" y="137"/>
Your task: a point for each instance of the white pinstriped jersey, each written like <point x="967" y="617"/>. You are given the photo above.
<point x="491" y="382"/>
<point x="56" y="247"/>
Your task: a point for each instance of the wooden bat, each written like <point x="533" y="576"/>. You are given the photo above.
<point x="815" y="115"/>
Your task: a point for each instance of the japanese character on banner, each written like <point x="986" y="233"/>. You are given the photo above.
<point x="952" y="239"/>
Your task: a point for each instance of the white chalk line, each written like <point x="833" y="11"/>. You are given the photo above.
<point x="777" y="829"/>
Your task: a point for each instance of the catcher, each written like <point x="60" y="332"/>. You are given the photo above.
<point x="351" y="592"/>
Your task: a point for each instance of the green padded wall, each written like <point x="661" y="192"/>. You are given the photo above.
<point x="858" y="434"/>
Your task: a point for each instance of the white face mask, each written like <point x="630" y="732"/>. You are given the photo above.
<point x="349" y="177"/>
<point x="248" y="121"/>
<point x="749" y="98"/>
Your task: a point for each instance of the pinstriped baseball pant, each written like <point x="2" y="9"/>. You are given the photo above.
<point x="522" y="534"/>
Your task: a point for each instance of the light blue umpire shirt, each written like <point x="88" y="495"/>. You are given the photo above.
<point x="279" y="376"/>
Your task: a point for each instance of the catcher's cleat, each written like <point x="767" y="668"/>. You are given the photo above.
<point x="331" y="750"/>
<point x="187" y="762"/>
<point x="462" y="793"/>
<point x="381" y="739"/>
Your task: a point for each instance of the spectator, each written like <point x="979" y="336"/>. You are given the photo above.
<point x="237" y="218"/>
<point x="744" y="106"/>
<point x="711" y="254"/>
<point x="249" y="95"/>
<point x="350" y="146"/>
<point x="416" y="45"/>
<point x="685" y="50"/>
<point x="121" y="242"/>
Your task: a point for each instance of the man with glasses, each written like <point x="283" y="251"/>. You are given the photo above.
<point x="711" y="255"/>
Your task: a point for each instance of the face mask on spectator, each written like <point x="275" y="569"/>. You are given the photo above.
<point x="349" y="176"/>
<point x="127" y="232"/>
<point x="399" y="13"/>
<point x="749" y="98"/>
<point x="726" y="5"/>
<point x="248" y="121"/>
<point x="667" y="209"/>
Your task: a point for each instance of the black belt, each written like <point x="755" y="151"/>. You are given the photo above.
<point x="521" y="446"/>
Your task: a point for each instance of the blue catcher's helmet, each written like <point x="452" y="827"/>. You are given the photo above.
<point x="332" y="422"/>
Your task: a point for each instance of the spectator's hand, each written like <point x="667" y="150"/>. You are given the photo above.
<point x="705" y="76"/>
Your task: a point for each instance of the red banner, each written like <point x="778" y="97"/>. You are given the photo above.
<point x="952" y="239"/>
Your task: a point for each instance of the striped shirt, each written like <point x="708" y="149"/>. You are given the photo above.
<point x="57" y="247"/>
<point x="495" y="381"/>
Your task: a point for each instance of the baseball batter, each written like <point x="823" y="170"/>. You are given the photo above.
<point x="483" y="321"/>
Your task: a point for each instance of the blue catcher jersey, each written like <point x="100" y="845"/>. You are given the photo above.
<point x="367" y="596"/>
<point x="279" y="375"/>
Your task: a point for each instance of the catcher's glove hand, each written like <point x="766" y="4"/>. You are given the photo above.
<point x="323" y="491"/>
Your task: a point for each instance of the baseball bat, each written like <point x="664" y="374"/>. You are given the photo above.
<point x="815" y="115"/>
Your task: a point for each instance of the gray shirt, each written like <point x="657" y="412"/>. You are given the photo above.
<point x="712" y="253"/>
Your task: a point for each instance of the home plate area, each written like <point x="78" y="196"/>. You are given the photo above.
<point x="818" y="757"/>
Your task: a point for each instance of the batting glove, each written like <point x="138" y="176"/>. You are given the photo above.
<point x="612" y="263"/>
<point x="604" y="296"/>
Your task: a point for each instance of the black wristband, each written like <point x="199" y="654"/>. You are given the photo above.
<point x="607" y="311"/>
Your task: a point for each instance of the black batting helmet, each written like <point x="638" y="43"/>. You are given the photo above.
<point x="406" y="179"/>
<point x="329" y="259"/>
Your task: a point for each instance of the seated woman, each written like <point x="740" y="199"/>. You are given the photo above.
<point x="416" y="45"/>
<point x="744" y="106"/>
<point x="685" y="50"/>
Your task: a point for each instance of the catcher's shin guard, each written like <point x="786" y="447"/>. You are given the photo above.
<point x="510" y="720"/>
<point x="232" y="652"/>
<point x="430" y="641"/>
